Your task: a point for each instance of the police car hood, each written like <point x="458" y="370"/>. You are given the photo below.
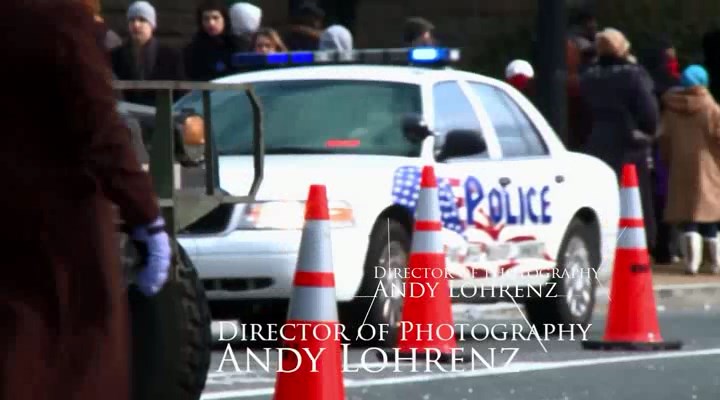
<point x="287" y="177"/>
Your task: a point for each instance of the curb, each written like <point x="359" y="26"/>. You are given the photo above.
<point x="681" y="290"/>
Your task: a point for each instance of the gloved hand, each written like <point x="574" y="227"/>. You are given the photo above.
<point x="152" y="276"/>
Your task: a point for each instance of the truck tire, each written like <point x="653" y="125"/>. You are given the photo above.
<point x="171" y="334"/>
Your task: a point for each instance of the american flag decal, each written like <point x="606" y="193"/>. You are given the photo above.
<point x="406" y="188"/>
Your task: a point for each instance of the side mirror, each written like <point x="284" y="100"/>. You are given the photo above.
<point x="415" y="128"/>
<point x="462" y="143"/>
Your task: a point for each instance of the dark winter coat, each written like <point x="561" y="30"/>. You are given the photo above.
<point x="162" y="63"/>
<point x="208" y="58"/>
<point x="66" y="158"/>
<point x="619" y="96"/>
<point x="301" y="37"/>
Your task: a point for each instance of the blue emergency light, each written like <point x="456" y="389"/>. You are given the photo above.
<point x="425" y="56"/>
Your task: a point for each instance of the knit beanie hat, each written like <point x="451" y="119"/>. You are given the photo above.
<point x="144" y="10"/>
<point x="336" y="37"/>
<point x="519" y="67"/>
<point x="694" y="75"/>
<point x="245" y="18"/>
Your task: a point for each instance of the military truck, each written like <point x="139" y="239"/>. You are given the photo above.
<point x="171" y="332"/>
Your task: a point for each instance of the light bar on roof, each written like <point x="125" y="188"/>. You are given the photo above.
<point x="426" y="56"/>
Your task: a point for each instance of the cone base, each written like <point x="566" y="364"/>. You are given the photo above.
<point x="631" y="346"/>
<point x="422" y="355"/>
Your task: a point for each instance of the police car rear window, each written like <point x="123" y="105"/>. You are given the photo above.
<point x="316" y="116"/>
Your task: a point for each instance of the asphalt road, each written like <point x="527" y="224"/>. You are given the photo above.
<point x="549" y="369"/>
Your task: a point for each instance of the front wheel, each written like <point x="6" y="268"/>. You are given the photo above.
<point x="574" y="280"/>
<point x="379" y="300"/>
<point x="171" y="334"/>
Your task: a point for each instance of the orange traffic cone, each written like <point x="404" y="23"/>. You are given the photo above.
<point x="427" y="317"/>
<point x="314" y="305"/>
<point x="632" y="316"/>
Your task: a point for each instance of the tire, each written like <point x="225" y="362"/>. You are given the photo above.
<point x="171" y="335"/>
<point x="371" y="302"/>
<point x="572" y="299"/>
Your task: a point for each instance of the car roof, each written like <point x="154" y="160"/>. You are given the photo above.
<point x="384" y="73"/>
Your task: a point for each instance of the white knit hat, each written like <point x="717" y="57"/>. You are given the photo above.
<point x="144" y="10"/>
<point x="519" y="67"/>
<point x="245" y="18"/>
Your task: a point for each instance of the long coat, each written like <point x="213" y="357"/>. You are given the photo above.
<point x="690" y="144"/>
<point x="161" y="63"/>
<point x="65" y="159"/>
<point x="619" y="98"/>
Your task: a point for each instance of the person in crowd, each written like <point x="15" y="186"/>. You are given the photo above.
<point x="268" y="41"/>
<point x="336" y="37"/>
<point x="209" y="54"/>
<point x="582" y="32"/>
<point x="107" y="38"/>
<point x="711" y="55"/>
<point x="245" y="19"/>
<point x="625" y="116"/>
<point x="690" y="144"/>
<point x="579" y="123"/>
<point x="143" y="57"/>
<point x="303" y="32"/>
<point x="418" y="31"/>
<point x="520" y="74"/>
<point x="70" y="174"/>
<point x="660" y="60"/>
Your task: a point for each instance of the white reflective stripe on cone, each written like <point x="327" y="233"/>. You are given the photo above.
<point x="315" y="253"/>
<point x="632" y="238"/>
<point x="426" y="242"/>
<point x="313" y="304"/>
<point x="630" y="203"/>
<point x="428" y="206"/>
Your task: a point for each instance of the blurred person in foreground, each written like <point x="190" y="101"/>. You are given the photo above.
<point x="660" y="60"/>
<point x="209" y="54"/>
<point x="67" y="159"/>
<point x="106" y="37"/>
<point x="245" y="19"/>
<point x="618" y="94"/>
<point x="143" y="57"/>
<point x="336" y="37"/>
<point x="690" y="144"/>
<point x="303" y="32"/>
<point x="418" y="32"/>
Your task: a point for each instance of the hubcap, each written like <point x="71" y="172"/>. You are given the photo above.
<point x="393" y="258"/>
<point x="578" y="277"/>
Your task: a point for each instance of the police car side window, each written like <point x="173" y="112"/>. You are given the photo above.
<point x="452" y="108"/>
<point x="453" y="111"/>
<point x="517" y="135"/>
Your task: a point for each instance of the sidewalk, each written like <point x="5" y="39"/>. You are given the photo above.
<point x="670" y="280"/>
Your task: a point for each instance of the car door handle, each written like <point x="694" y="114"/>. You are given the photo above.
<point x="559" y="178"/>
<point x="504" y="181"/>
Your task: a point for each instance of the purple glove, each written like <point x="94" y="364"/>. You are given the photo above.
<point x="152" y="276"/>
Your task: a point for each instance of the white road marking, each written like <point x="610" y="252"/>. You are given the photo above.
<point x="515" y="368"/>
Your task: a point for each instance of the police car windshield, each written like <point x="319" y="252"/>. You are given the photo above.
<point x="315" y="116"/>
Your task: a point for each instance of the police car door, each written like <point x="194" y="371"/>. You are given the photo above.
<point x="464" y="185"/>
<point x="529" y="200"/>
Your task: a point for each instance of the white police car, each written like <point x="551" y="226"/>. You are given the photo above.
<point x="516" y="204"/>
